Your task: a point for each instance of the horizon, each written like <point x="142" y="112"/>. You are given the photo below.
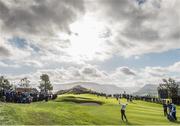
<point x="126" y="43"/>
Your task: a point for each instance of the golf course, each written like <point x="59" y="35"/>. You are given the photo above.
<point x="83" y="109"/>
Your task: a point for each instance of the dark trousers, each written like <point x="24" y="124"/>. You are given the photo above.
<point x="174" y="115"/>
<point x="165" y="112"/>
<point x="123" y="115"/>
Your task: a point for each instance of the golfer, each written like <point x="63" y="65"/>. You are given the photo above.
<point x="123" y="111"/>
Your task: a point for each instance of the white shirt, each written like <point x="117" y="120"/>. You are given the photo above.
<point x="123" y="106"/>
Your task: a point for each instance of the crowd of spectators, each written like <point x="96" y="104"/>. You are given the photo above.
<point x="24" y="97"/>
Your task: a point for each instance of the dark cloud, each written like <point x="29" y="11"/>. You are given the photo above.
<point x="90" y="71"/>
<point x="4" y="52"/>
<point x="141" y="1"/>
<point x="175" y="35"/>
<point x="40" y="16"/>
<point x="141" y="26"/>
<point x="131" y="12"/>
<point x="126" y="44"/>
<point x="3" y="10"/>
<point x="141" y="33"/>
<point x="127" y="71"/>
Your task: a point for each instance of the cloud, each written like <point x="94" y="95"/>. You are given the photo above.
<point x="38" y="30"/>
<point x="33" y="27"/>
<point x="156" y="71"/>
<point x="31" y="63"/>
<point x="163" y="71"/>
<point x="127" y="71"/>
<point x="140" y="27"/>
<point x="90" y="71"/>
<point x="35" y="15"/>
<point x="129" y="27"/>
<point x="4" y="52"/>
<point x="122" y="76"/>
<point x="5" y="65"/>
<point x="63" y="75"/>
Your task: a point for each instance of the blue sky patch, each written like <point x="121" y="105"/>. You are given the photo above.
<point x="18" y="42"/>
<point x="163" y="59"/>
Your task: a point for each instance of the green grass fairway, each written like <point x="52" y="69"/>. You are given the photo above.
<point x="68" y="110"/>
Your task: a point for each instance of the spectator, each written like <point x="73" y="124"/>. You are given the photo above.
<point x="165" y="108"/>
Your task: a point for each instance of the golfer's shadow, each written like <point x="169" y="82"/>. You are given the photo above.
<point x="133" y="102"/>
<point x="177" y="122"/>
<point x="129" y="123"/>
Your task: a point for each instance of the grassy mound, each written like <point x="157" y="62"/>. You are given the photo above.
<point x="66" y="111"/>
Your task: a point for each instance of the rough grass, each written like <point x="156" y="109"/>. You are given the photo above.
<point x="66" y="110"/>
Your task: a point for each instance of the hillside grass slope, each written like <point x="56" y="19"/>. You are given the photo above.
<point x="69" y="110"/>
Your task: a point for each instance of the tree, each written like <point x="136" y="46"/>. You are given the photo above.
<point x="25" y="83"/>
<point x="4" y="84"/>
<point x="172" y="87"/>
<point x="45" y="84"/>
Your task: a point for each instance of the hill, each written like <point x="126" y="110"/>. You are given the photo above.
<point x="148" y="89"/>
<point x="76" y="90"/>
<point x="104" y="88"/>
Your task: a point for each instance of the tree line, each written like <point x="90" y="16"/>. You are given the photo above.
<point x="44" y="86"/>
<point x="169" y="88"/>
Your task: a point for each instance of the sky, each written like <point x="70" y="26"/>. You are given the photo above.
<point x="128" y="43"/>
